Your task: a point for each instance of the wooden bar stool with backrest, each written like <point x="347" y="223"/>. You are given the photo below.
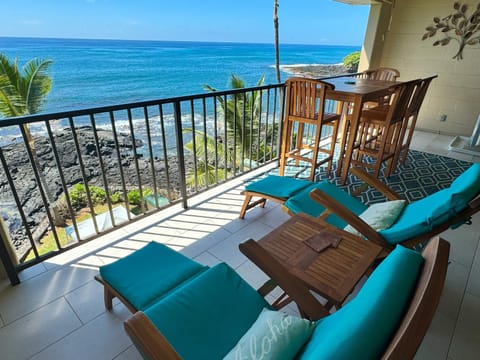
<point x="304" y="120"/>
<point x="380" y="128"/>
<point x="382" y="73"/>
<point x="411" y="116"/>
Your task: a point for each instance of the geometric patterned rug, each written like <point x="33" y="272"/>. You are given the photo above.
<point x="423" y="174"/>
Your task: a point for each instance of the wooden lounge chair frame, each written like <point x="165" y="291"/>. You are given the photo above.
<point x="403" y="345"/>
<point x="109" y="293"/>
<point x="333" y="206"/>
<point x="247" y="204"/>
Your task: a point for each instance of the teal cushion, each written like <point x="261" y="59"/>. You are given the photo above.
<point x="363" y="328"/>
<point x="149" y="273"/>
<point x="465" y="187"/>
<point x="302" y="202"/>
<point x="425" y="214"/>
<point x="419" y="217"/>
<point x="204" y="318"/>
<point x="278" y="186"/>
<point x="274" y="336"/>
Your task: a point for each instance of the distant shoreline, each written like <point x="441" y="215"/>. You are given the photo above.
<point x="314" y="70"/>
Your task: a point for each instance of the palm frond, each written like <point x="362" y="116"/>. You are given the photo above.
<point x="38" y="84"/>
<point x="236" y="82"/>
<point x="9" y="69"/>
<point x="23" y="93"/>
<point x="11" y="102"/>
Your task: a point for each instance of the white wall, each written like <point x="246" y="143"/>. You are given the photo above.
<point x="456" y="91"/>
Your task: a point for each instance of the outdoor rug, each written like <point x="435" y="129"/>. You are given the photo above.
<point x="423" y="174"/>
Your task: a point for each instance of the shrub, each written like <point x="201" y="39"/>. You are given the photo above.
<point x="115" y="197"/>
<point x="97" y="194"/>
<point x="134" y="197"/>
<point x="351" y="61"/>
<point x="78" y="196"/>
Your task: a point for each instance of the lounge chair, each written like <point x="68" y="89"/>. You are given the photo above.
<point x="218" y="315"/>
<point x="143" y="277"/>
<point x="419" y="220"/>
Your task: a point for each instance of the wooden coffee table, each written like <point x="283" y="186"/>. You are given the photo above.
<point x="333" y="272"/>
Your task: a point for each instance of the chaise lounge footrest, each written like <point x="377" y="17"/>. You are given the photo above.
<point x="145" y="276"/>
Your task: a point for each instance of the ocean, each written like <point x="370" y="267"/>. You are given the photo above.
<point x="92" y="73"/>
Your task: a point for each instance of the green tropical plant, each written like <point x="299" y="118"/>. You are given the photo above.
<point x="242" y="147"/>
<point x="134" y="197"/>
<point x="242" y="114"/>
<point x="79" y="199"/>
<point x="97" y="194"/>
<point x="351" y="61"/>
<point x="215" y="154"/>
<point x="78" y="196"/>
<point x="115" y="197"/>
<point x="24" y="92"/>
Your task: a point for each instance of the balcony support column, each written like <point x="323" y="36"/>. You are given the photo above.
<point x="7" y="255"/>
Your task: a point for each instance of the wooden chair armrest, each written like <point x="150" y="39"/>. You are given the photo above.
<point x="374" y="182"/>
<point x="349" y="217"/>
<point x="306" y="302"/>
<point x="148" y="339"/>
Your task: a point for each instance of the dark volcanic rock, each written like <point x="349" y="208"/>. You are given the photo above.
<point x="315" y="70"/>
<point x="26" y="185"/>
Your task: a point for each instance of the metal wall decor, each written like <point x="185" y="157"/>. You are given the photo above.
<point x="456" y="26"/>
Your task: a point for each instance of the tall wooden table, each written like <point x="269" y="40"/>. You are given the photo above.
<point x="357" y="92"/>
<point x="332" y="273"/>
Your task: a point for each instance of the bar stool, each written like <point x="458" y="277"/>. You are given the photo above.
<point x="411" y="116"/>
<point x="304" y="133"/>
<point x="378" y="135"/>
<point x="382" y="73"/>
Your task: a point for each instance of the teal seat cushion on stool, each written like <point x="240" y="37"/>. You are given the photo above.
<point x="149" y="273"/>
<point x="363" y="327"/>
<point x="303" y="203"/>
<point x="204" y="318"/>
<point x="277" y="186"/>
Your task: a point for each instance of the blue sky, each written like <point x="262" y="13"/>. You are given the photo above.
<point x="301" y="21"/>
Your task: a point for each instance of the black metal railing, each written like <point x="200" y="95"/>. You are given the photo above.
<point x="69" y="177"/>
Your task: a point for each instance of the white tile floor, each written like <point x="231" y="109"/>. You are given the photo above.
<point x="57" y="311"/>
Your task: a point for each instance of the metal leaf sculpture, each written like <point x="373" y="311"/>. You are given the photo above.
<point x="457" y="26"/>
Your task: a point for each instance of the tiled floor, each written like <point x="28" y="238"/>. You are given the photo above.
<point x="57" y="311"/>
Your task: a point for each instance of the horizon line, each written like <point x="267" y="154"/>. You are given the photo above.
<point x="179" y="41"/>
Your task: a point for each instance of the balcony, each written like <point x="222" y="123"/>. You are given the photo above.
<point x="57" y="311"/>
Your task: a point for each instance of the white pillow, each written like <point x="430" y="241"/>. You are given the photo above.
<point x="273" y="336"/>
<point x="380" y="216"/>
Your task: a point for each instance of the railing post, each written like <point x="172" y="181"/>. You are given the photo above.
<point x="180" y="152"/>
<point x="282" y="91"/>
